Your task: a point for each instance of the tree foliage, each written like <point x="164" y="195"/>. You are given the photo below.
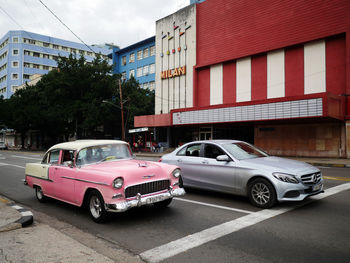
<point x="70" y="101"/>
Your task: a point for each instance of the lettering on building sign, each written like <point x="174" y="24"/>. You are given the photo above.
<point x="171" y="73"/>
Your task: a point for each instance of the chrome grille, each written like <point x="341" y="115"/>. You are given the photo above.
<point x="310" y="179"/>
<point x="147" y="188"/>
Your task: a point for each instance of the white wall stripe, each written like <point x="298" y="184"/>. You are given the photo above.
<point x="315" y="67"/>
<point x="243" y="79"/>
<point x="216" y="84"/>
<point x="191" y="241"/>
<point x="275" y="74"/>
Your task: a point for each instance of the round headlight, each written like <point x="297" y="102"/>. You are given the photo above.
<point x="118" y="183"/>
<point x="176" y="173"/>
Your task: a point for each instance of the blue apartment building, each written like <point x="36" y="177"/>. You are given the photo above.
<point x="23" y="54"/>
<point x="138" y="60"/>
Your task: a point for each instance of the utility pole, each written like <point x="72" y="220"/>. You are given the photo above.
<point x="122" y="111"/>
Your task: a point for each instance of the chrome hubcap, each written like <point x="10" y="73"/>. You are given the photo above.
<point x="39" y="193"/>
<point x="95" y="207"/>
<point x="260" y="193"/>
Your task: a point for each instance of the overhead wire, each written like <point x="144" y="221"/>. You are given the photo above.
<point x="66" y="26"/>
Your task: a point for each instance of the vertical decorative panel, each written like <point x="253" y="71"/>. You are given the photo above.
<point x="315" y="67"/>
<point x="243" y="79"/>
<point x="216" y="85"/>
<point x="275" y="74"/>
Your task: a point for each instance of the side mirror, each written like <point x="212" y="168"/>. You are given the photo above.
<point x="223" y="158"/>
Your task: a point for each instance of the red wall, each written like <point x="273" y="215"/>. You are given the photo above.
<point x="204" y="87"/>
<point x="227" y="30"/>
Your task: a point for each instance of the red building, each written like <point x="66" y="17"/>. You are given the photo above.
<point x="274" y="73"/>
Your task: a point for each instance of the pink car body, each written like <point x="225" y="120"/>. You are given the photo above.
<point x="120" y="180"/>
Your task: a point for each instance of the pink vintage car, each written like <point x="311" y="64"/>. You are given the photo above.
<point x="103" y="175"/>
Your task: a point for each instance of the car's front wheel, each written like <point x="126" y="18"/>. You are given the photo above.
<point x="40" y="195"/>
<point x="261" y="193"/>
<point x="163" y="203"/>
<point x="96" y="207"/>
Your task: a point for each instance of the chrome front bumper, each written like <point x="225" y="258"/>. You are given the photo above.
<point x="144" y="200"/>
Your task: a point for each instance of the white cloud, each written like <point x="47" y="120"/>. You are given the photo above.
<point x="122" y="22"/>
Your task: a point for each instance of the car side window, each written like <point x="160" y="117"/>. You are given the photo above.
<point x="67" y="156"/>
<point x="212" y="151"/>
<point x="54" y="157"/>
<point x="193" y="150"/>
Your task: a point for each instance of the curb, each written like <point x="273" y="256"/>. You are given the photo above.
<point x="26" y="219"/>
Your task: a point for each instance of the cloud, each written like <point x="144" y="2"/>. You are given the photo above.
<point x="122" y="22"/>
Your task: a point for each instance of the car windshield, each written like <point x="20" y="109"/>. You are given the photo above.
<point x="243" y="151"/>
<point x="102" y="153"/>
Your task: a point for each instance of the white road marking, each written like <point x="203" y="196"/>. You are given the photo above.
<point x="26" y="157"/>
<point x="18" y="166"/>
<point x="197" y="239"/>
<point x="215" y="206"/>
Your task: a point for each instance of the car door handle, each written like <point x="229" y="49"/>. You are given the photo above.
<point x="179" y="161"/>
<point x="204" y="162"/>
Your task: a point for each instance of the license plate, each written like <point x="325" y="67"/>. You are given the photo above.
<point x="155" y="199"/>
<point x="317" y="187"/>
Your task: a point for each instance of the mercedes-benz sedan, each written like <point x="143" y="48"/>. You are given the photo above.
<point x="237" y="167"/>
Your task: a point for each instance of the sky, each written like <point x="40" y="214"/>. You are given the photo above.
<point x="121" y="22"/>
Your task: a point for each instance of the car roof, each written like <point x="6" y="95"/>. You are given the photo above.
<point x="222" y="141"/>
<point x="80" y="144"/>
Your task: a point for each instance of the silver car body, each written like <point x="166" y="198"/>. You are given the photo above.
<point x="233" y="176"/>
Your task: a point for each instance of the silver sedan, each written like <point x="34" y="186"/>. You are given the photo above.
<point x="240" y="168"/>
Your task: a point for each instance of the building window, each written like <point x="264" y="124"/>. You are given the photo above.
<point x="139" y="54"/>
<point x="55" y="58"/>
<point x="89" y="53"/>
<point x="26" y="53"/>
<point x="151" y="68"/>
<point x="26" y="76"/>
<point x="153" y="50"/>
<point x="73" y="50"/>
<point x="14" y="88"/>
<point x="26" y="65"/>
<point x="145" y="85"/>
<point x="46" y="56"/>
<point x="151" y="85"/>
<point x="131" y="73"/>
<point x="81" y="52"/>
<point x="14" y="76"/>
<point x="46" y="67"/>
<point x="36" y="54"/>
<point x="64" y="48"/>
<point x="145" y="53"/>
<point x="15" y="64"/>
<point x="139" y="72"/>
<point x="36" y="66"/>
<point x="145" y="70"/>
<point x="132" y="57"/>
<point x="123" y="60"/>
<point x="3" y="90"/>
<point x="15" y="39"/>
<point x="32" y="41"/>
<point x="123" y="76"/>
<point x="55" y="46"/>
<point x="15" y="52"/>
<point x="45" y="44"/>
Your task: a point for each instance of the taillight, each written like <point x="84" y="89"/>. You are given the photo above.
<point x="160" y="160"/>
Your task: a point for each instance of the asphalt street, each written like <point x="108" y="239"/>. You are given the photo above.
<point x="205" y="226"/>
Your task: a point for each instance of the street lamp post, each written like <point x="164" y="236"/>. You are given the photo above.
<point x="121" y="109"/>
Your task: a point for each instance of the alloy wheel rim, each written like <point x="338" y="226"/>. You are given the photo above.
<point x="261" y="193"/>
<point x="95" y="207"/>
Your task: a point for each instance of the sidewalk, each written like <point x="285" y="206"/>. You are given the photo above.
<point x="39" y="243"/>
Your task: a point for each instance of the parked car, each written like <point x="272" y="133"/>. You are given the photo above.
<point x="237" y="167"/>
<point x="3" y="146"/>
<point x="103" y="175"/>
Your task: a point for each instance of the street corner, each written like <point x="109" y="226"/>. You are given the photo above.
<point x="13" y="216"/>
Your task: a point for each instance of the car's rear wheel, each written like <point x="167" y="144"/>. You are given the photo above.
<point x="163" y="203"/>
<point x="261" y="193"/>
<point x="40" y="195"/>
<point x="96" y="207"/>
